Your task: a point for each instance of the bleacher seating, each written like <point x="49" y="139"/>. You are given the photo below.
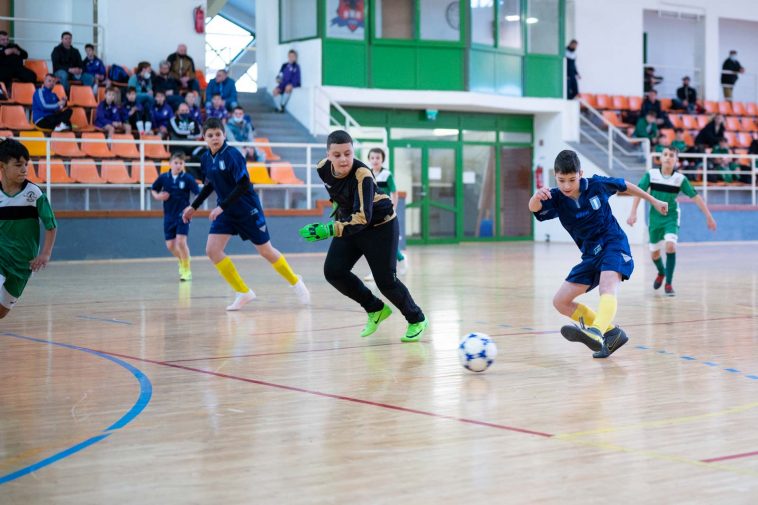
<point x="96" y="149"/>
<point x="66" y="149"/>
<point x="14" y="117"/>
<point x="39" y="67"/>
<point x="266" y="148"/>
<point x="259" y="174"/>
<point x="114" y="172"/>
<point x="30" y="139"/>
<point x="283" y="173"/>
<point x="22" y="93"/>
<point x="82" y="96"/>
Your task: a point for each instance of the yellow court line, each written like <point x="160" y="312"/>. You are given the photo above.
<point x="674" y="421"/>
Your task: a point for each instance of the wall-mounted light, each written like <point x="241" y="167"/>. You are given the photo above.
<point x="531" y="21"/>
<point x="512" y="18"/>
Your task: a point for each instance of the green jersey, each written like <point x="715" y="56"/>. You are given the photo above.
<point x="679" y="145"/>
<point x="666" y="188"/>
<point x="20" y="215"/>
<point x="385" y="181"/>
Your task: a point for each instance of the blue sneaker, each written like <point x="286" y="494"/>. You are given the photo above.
<point x="614" y="339"/>
<point x="591" y="337"/>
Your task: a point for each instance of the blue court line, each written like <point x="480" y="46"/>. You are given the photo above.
<point x="146" y="392"/>
<point x="692" y="358"/>
<point x="104" y="319"/>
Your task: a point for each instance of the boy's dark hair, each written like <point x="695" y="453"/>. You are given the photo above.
<point x="292" y="51"/>
<point x="131" y="89"/>
<point x="567" y="162"/>
<point x="214" y="95"/>
<point x="89" y="46"/>
<point x="338" y="137"/>
<point x="213" y="123"/>
<point x="142" y="65"/>
<point x="159" y="92"/>
<point x="651" y="113"/>
<point x="3" y="32"/>
<point x="678" y="130"/>
<point x="66" y="33"/>
<point x="239" y="107"/>
<point x="378" y="151"/>
<point x="12" y="150"/>
<point x="50" y="75"/>
<point x="178" y="154"/>
<point x="673" y="150"/>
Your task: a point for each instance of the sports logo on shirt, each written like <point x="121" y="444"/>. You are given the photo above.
<point x="181" y="184"/>
<point x="30" y="196"/>
<point x="221" y="165"/>
<point x="595" y="202"/>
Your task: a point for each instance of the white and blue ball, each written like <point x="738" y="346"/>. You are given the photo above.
<point x="476" y="352"/>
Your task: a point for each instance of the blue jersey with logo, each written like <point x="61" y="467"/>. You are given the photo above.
<point x="224" y="170"/>
<point x="179" y="193"/>
<point x="588" y="219"/>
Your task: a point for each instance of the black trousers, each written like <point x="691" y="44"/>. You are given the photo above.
<point x="22" y="74"/>
<point x="53" y="120"/>
<point x="379" y="245"/>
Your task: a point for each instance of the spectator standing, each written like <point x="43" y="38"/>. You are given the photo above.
<point x="135" y="114"/>
<point x="48" y="111"/>
<point x="572" y="74"/>
<point x="217" y="109"/>
<point x="287" y="80"/>
<point x="183" y="68"/>
<point x="225" y="86"/>
<point x="712" y="133"/>
<point x="94" y="66"/>
<point x="686" y="96"/>
<point x="67" y="63"/>
<point x="650" y="79"/>
<point x="12" y="62"/>
<point x="163" y="81"/>
<point x="730" y="69"/>
<point x="109" y="116"/>
<point x="142" y="82"/>
<point x="161" y="114"/>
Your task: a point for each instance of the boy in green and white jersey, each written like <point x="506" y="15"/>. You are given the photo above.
<point x="22" y="206"/>
<point x="665" y="184"/>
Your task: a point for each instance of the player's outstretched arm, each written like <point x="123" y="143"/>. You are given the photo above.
<point x="535" y="202"/>
<point x="706" y="212"/>
<point x="635" y="191"/>
<point x="43" y="257"/>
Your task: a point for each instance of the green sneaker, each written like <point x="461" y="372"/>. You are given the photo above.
<point x="374" y="318"/>
<point x="414" y="331"/>
<point x="185" y="275"/>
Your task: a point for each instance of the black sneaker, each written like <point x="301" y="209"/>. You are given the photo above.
<point x="614" y="339"/>
<point x="658" y="281"/>
<point x="591" y="337"/>
<point x="670" y="290"/>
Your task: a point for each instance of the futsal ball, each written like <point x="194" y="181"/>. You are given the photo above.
<point x="476" y="352"/>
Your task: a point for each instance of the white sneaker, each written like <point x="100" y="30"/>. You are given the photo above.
<point x="368" y="278"/>
<point x="402" y="266"/>
<point x="61" y="127"/>
<point x="241" y="300"/>
<point x="302" y="293"/>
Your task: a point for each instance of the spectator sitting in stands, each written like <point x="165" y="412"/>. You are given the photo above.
<point x="679" y="143"/>
<point x="651" y="103"/>
<point x="217" y="109"/>
<point x="183" y="127"/>
<point x="222" y="85"/>
<point x="12" y="63"/>
<point x="94" y="66"/>
<point x="67" y="63"/>
<point x="239" y="129"/>
<point x="135" y="114"/>
<point x="711" y="133"/>
<point x="729" y="78"/>
<point x="183" y="68"/>
<point x="48" y="110"/>
<point x="162" y="81"/>
<point x="661" y="144"/>
<point x="161" y="114"/>
<point x="647" y="128"/>
<point x="109" y="116"/>
<point x="191" y="100"/>
<point x="287" y="80"/>
<point x="722" y="168"/>
<point x="686" y="97"/>
<point x="650" y="79"/>
<point x="142" y="82"/>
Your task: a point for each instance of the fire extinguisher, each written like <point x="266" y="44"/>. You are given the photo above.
<point x="538" y="174"/>
<point x="199" y="15"/>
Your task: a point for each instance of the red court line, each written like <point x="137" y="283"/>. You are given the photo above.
<point x="334" y="396"/>
<point x="300" y="351"/>
<point x="731" y="456"/>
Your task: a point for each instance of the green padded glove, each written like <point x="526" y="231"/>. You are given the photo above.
<point x="317" y="231"/>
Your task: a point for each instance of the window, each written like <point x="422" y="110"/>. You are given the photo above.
<point x="509" y="13"/>
<point x="394" y="19"/>
<point x="440" y="19"/>
<point x="483" y="22"/>
<point x="344" y="21"/>
<point x="542" y="26"/>
<point x="225" y="46"/>
<point x="297" y="19"/>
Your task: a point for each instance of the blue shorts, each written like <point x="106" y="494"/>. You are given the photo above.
<point x="252" y="227"/>
<point x="613" y="259"/>
<point x="173" y="227"/>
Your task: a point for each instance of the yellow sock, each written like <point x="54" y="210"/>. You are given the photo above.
<point x="583" y="312"/>
<point x="606" y="311"/>
<point x="282" y="268"/>
<point x="186" y="263"/>
<point x="227" y="270"/>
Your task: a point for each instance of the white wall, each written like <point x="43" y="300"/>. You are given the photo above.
<point x="40" y="39"/>
<point x="741" y="36"/>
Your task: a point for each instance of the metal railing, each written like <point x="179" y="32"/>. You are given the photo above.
<point x="709" y="176"/>
<point x="373" y="135"/>
<point x="309" y="190"/>
<point x="614" y="141"/>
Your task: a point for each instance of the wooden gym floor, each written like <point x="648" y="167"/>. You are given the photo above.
<point x="122" y="385"/>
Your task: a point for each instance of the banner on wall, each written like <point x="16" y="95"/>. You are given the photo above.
<point x="345" y="19"/>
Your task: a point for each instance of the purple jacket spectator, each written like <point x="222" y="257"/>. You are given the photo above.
<point x="290" y="73"/>
<point x="108" y="114"/>
<point x="94" y="66"/>
<point x="162" y="115"/>
<point x="219" y="113"/>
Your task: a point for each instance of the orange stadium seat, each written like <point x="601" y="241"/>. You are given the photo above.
<point x="738" y="108"/>
<point x="688" y="139"/>
<point x="66" y="149"/>
<point x="702" y="120"/>
<point x="751" y="109"/>
<point x="165" y="166"/>
<point x="748" y="124"/>
<point x="266" y="148"/>
<point x="58" y="173"/>
<point x="614" y="119"/>
<point x="96" y="149"/>
<point x="669" y="133"/>
<point x="733" y="123"/>
<point x="60" y="91"/>
<point x="150" y="172"/>
<point x="676" y="120"/>
<point x="603" y="102"/>
<point x="200" y="76"/>
<point x="22" y="92"/>
<point x="85" y="172"/>
<point x="124" y="149"/>
<point x="39" y="67"/>
<point x="14" y="118"/>
<point x="82" y="96"/>
<point x="619" y="102"/>
<point x="635" y="103"/>
<point x="157" y="151"/>
<point x="37" y="148"/>
<point x="282" y="173"/>
<point x="725" y="108"/>
<point x="259" y="174"/>
<point x="589" y="98"/>
<point x="744" y="139"/>
<point x="80" y="121"/>
<point x="114" y="172"/>
<point x="665" y="104"/>
<point x="731" y="137"/>
<point x="32" y="174"/>
<point x="689" y="122"/>
<point x="710" y="107"/>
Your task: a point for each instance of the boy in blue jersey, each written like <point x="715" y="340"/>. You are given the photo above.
<point x="582" y="207"/>
<point x="238" y="212"/>
<point x="173" y="189"/>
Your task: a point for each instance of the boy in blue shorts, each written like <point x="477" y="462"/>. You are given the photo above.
<point x="238" y="212"/>
<point x="582" y="206"/>
<point x="173" y="189"/>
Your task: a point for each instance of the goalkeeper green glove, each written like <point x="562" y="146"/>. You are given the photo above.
<point x="317" y="231"/>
